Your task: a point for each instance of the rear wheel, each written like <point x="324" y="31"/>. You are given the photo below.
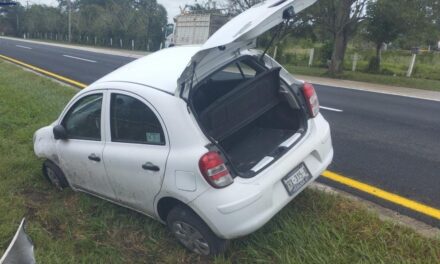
<point x="193" y="233"/>
<point x="54" y="175"/>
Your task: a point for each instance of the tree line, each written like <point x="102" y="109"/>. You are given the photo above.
<point x="91" y="20"/>
<point x="404" y="23"/>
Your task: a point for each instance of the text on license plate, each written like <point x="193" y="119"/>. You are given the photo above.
<point x="297" y="179"/>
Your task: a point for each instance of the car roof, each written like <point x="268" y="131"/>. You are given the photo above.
<point x="159" y="70"/>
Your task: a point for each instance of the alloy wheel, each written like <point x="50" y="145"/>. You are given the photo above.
<point x="190" y="237"/>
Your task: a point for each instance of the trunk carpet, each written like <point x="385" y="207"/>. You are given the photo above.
<point x="246" y="152"/>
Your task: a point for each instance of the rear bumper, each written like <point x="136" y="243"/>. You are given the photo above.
<point x="248" y="204"/>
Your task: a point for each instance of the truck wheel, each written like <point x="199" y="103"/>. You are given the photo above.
<point x="54" y="175"/>
<point x="193" y="233"/>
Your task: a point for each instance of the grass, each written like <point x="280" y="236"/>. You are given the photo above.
<point x="394" y="65"/>
<point x="394" y="61"/>
<point x="424" y="84"/>
<point x="69" y="227"/>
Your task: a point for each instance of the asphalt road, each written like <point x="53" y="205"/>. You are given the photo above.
<point x="391" y="142"/>
<point x="387" y="141"/>
<point x="63" y="61"/>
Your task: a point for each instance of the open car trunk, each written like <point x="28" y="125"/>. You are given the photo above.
<point x="250" y="113"/>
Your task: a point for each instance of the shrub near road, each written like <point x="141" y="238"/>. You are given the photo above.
<point x="69" y="227"/>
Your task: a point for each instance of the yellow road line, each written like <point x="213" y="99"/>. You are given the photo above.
<point x="48" y="73"/>
<point x="390" y="197"/>
<point x="387" y="196"/>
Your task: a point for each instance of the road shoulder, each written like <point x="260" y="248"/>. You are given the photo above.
<point x="370" y="87"/>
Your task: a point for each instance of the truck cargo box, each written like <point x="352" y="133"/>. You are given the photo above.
<point x="196" y="28"/>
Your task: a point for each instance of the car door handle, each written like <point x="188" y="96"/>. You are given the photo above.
<point x="94" y="157"/>
<point x="150" y="166"/>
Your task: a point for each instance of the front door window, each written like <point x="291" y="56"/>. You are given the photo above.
<point x="83" y="121"/>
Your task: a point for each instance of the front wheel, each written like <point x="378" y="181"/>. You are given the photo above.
<point x="193" y="233"/>
<point x="54" y="175"/>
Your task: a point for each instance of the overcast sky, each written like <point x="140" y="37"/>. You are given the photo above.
<point x="172" y="6"/>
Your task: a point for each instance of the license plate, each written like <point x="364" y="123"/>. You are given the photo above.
<point x="296" y="179"/>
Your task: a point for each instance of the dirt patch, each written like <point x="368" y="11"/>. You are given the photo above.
<point x="55" y="227"/>
<point x="33" y="200"/>
<point x="35" y="196"/>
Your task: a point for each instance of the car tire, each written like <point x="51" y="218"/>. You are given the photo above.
<point x="193" y="233"/>
<point x="54" y="175"/>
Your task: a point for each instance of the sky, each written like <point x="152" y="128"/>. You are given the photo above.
<point x="172" y="6"/>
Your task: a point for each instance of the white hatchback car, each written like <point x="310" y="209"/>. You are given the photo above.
<point x="212" y="140"/>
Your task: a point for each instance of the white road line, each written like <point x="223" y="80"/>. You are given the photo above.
<point x="77" y="58"/>
<point x="332" y="109"/>
<point x="23" y="47"/>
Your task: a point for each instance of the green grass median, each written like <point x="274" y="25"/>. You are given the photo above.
<point x="69" y="227"/>
<point x="423" y="84"/>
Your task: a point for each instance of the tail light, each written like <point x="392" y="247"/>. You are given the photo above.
<point x="215" y="171"/>
<point x="311" y="99"/>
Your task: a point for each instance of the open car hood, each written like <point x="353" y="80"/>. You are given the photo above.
<point x="241" y="32"/>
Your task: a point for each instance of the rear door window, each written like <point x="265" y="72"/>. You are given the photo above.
<point x="132" y="121"/>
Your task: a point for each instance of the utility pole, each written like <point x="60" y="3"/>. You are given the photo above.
<point x="69" y="6"/>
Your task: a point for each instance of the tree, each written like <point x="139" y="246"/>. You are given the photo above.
<point x="204" y="7"/>
<point x="235" y="7"/>
<point x="340" y="18"/>
<point x="139" y="20"/>
<point x="422" y="18"/>
<point x="384" y="24"/>
<point x="11" y="16"/>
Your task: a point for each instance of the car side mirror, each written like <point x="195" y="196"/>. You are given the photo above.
<point x="59" y="132"/>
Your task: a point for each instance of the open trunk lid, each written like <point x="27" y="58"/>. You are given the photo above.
<point x="238" y="34"/>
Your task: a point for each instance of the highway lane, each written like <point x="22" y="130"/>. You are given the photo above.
<point x="387" y="141"/>
<point x="54" y="59"/>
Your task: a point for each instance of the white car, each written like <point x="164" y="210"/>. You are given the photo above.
<point x="212" y="140"/>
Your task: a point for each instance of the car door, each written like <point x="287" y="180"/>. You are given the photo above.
<point x="80" y="155"/>
<point x="136" y="151"/>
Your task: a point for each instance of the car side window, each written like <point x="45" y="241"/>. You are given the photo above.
<point x="132" y="121"/>
<point x="83" y="120"/>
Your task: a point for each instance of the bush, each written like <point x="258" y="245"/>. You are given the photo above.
<point x="325" y="53"/>
<point x="386" y="71"/>
<point x="288" y="58"/>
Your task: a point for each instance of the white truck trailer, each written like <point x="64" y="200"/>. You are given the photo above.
<point x="193" y="29"/>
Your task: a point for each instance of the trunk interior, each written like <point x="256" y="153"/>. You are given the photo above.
<point x="249" y="115"/>
<point x="262" y="137"/>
